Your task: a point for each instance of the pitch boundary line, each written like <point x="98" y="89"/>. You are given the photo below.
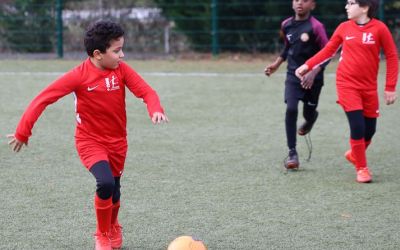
<point x="164" y="74"/>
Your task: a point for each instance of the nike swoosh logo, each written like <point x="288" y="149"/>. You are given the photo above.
<point x="350" y="37"/>
<point x="91" y="88"/>
<point x="311" y="104"/>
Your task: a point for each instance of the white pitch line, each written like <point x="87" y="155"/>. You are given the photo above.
<point x="165" y="74"/>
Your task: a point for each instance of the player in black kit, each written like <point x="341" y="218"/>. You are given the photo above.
<point x="304" y="36"/>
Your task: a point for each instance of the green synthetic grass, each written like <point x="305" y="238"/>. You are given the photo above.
<point x="215" y="171"/>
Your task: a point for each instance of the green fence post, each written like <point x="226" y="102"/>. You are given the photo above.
<point x="214" y="27"/>
<point x="59" y="29"/>
<point x="382" y="10"/>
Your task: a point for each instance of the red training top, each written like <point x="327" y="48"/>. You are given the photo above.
<point x="359" y="61"/>
<point x="99" y="101"/>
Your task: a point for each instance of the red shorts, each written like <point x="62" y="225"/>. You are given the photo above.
<point x="91" y="151"/>
<point x="366" y="100"/>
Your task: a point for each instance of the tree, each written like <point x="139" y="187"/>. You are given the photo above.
<point x="242" y="25"/>
<point x="249" y="26"/>
<point x="28" y="25"/>
<point x="252" y="25"/>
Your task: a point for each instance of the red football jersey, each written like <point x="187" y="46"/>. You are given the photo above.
<point x="99" y="101"/>
<point x="359" y="61"/>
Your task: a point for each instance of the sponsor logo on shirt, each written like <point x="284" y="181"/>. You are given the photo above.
<point x="368" y="38"/>
<point x="349" y="37"/>
<point x="111" y="84"/>
<point x="288" y="36"/>
<point x="304" y="37"/>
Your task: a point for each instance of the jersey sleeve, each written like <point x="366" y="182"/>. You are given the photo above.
<point x="59" y="88"/>
<point x="320" y="35"/>
<point x="321" y="39"/>
<point x="392" y="62"/>
<point x="135" y="83"/>
<point x="282" y="34"/>
<point x="328" y="51"/>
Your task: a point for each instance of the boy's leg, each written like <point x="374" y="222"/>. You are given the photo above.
<point x="310" y="112"/>
<point x="357" y="143"/>
<point x="370" y="128"/>
<point x="292" y="161"/>
<point x="116" y="229"/>
<point x="103" y="204"/>
<point x="371" y="113"/>
<point x="116" y="200"/>
<point x="117" y="160"/>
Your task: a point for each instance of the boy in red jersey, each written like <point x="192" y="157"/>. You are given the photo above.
<point x="98" y="85"/>
<point x="361" y="39"/>
<point x="304" y="36"/>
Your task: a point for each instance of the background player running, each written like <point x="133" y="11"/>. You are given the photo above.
<point x="304" y="36"/>
<point x="361" y="38"/>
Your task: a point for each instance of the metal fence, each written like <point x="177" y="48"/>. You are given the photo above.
<point x="209" y="26"/>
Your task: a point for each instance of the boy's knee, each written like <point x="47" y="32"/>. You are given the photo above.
<point x="105" y="183"/>
<point x="291" y="110"/>
<point x="105" y="188"/>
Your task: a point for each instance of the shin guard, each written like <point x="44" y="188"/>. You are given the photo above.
<point x="358" y="152"/>
<point x="103" y="214"/>
<point x="115" y="210"/>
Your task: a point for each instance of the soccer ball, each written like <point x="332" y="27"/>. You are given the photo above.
<point x="186" y="243"/>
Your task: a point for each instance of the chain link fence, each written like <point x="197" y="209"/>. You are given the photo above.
<point x="164" y="27"/>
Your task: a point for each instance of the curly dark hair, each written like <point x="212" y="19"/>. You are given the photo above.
<point x="99" y="35"/>
<point x="372" y="4"/>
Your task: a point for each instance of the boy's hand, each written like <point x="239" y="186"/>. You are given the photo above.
<point x="308" y="79"/>
<point x="301" y="71"/>
<point x="270" y="69"/>
<point x="390" y="97"/>
<point x="159" y="118"/>
<point x="15" y="143"/>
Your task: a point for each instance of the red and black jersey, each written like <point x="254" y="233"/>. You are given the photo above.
<point x="359" y="61"/>
<point x="303" y="39"/>
<point x="99" y="101"/>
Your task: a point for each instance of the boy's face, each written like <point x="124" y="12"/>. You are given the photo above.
<point x="303" y="8"/>
<point x="113" y="55"/>
<point x="355" y="11"/>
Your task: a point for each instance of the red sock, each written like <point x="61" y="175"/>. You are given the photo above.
<point x="103" y="214"/>
<point x="114" y="216"/>
<point x="358" y="152"/>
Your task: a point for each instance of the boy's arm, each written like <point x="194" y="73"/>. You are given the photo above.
<point x="392" y="62"/>
<point x="327" y="52"/>
<point x="270" y="69"/>
<point x="323" y="55"/>
<point x="136" y="84"/>
<point x="321" y="39"/>
<point x="57" y="89"/>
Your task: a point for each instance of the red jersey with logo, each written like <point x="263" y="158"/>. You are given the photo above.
<point x="359" y="61"/>
<point x="99" y="101"/>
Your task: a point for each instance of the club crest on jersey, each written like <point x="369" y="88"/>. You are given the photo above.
<point x="111" y="84"/>
<point x="368" y="38"/>
<point x="304" y="37"/>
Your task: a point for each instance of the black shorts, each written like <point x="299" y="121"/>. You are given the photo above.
<point x="294" y="90"/>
